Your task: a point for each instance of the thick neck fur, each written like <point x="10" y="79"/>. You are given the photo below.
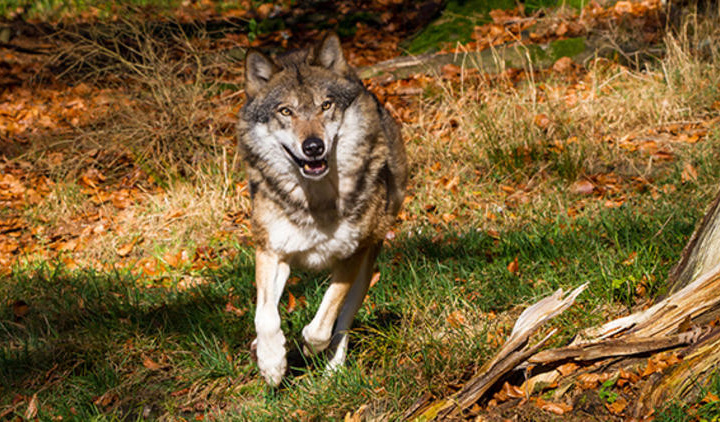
<point x="322" y="196"/>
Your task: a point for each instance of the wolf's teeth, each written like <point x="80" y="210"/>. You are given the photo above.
<point x="307" y="167"/>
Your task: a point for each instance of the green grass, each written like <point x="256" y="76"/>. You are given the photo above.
<point x="704" y="411"/>
<point x="83" y="344"/>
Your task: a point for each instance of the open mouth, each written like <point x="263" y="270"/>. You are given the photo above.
<point x="310" y="168"/>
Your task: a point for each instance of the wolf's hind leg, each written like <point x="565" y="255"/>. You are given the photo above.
<point x="350" y="308"/>
<point x="318" y="332"/>
<point x="270" y="277"/>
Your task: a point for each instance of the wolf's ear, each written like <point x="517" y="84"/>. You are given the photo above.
<point x="330" y="56"/>
<point x="258" y="71"/>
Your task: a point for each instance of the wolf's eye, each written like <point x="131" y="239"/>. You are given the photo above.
<point x="285" y="111"/>
<point x="326" y="105"/>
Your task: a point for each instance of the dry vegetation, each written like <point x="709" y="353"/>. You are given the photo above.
<point x="151" y="184"/>
<point x="507" y="146"/>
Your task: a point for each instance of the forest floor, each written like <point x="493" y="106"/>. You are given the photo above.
<point x="126" y="261"/>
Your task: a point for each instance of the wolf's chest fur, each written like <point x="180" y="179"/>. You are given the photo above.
<point x="313" y="246"/>
<point x="316" y="235"/>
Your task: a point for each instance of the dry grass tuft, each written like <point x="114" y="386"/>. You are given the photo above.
<point x="522" y="137"/>
<point x="174" y="122"/>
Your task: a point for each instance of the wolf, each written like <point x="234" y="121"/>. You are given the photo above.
<point x="327" y="174"/>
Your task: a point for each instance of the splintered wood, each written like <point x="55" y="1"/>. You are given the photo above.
<point x="685" y="321"/>
<point x="514" y="351"/>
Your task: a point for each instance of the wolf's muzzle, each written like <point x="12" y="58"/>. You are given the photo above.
<point x="316" y="167"/>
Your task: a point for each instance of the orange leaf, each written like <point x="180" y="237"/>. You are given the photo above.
<point x="567" y="368"/>
<point x="563" y="64"/>
<point x="623" y="7"/>
<point x="291" y="302"/>
<point x="513" y="391"/>
<point x="589" y="381"/>
<point x="151" y="364"/>
<point x="582" y="187"/>
<point x="556" y="408"/>
<point x="456" y="319"/>
<point x="630" y="259"/>
<point x="32" y="408"/>
<point x="710" y="398"/>
<point x="375" y="278"/>
<point x="689" y="173"/>
<point x="542" y="121"/>
<point x="514" y="266"/>
<point x="125" y="249"/>
<point x="171" y="259"/>
<point x="229" y="307"/>
<point x="617" y="406"/>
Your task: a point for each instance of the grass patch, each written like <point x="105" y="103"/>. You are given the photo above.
<point x="494" y="162"/>
<point x="134" y="349"/>
<point x="455" y="25"/>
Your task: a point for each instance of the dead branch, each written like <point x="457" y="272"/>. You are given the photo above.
<point x="679" y="321"/>
<point x="513" y="352"/>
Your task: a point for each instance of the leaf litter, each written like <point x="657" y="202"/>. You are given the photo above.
<point x="32" y="111"/>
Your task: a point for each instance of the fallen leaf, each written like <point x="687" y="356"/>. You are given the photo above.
<point x="172" y="259"/>
<point x="622" y="7"/>
<point x="562" y="65"/>
<point x="514" y="266"/>
<point x="151" y="364"/>
<point x="556" y="408"/>
<point x="561" y="30"/>
<point x="375" y="278"/>
<point x="125" y="249"/>
<point x="451" y="70"/>
<point x="689" y="173"/>
<point x="456" y="319"/>
<point x="590" y="381"/>
<point x="584" y="187"/>
<point x="710" y="398"/>
<point x="356" y="416"/>
<point x="229" y="307"/>
<point x="180" y="392"/>
<point x="264" y="10"/>
<point x="513" y="391"/>
<point x="617" y="406"/>
<point x="567" y="368"/>
<point x="542" y="121"/>
<point x="291" y="302"/>
<point x="630" y="259"/>
<point x="20" y="308"/>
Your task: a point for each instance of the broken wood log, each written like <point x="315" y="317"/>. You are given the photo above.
<point x="513" y="352"/>
<point x="701" y="252"/>
<point x="684" y="321"/>
<point x="492" y="60"/>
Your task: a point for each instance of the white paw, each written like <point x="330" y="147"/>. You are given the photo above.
<point x="314" y="343"/>
<point x="338" y="359"/>
<point x="271" y="359"/>
<point x="333" y="366"/>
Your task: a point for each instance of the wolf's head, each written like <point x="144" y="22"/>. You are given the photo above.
<point x="295" y="106"/>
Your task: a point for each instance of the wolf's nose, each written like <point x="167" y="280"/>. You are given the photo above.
<point x="312" y="147"/>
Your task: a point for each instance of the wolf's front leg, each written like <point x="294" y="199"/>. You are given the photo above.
<point x="318" y="333"/>
<point x="270" y="276"/>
